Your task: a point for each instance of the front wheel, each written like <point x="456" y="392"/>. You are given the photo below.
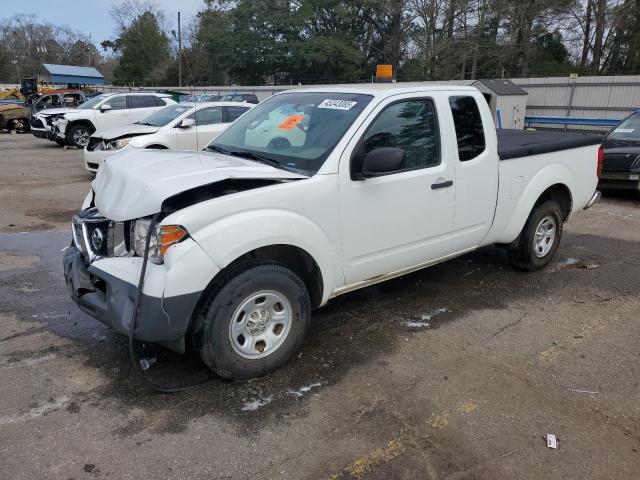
<point x="253" y="321"/>
<point x="78" y="136"/>
<point x="540" y="238"/>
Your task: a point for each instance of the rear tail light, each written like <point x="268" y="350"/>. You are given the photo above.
<point x="600" y="160"/>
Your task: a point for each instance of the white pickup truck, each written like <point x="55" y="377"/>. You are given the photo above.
<point x="360" y="185"/>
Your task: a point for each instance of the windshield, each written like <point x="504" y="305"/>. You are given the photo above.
<point x="628" y="130"/>
<point x="93" y="102"/>
<point x="294" y="131"/>
<point x="164" y="116"/>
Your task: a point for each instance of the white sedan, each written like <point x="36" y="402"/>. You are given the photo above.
<point x="183" y="126"/>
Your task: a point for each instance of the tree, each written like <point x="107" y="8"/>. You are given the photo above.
<point x="144" y="51"/>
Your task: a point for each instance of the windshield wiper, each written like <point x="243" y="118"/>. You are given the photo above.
<point x="256" y="157"/>
<point x="215" y="148"/>
<point x="145" y="123"/>
<point x="259" y="158"/>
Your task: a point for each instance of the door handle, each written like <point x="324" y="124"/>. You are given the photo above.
<point x="435" y="186"/>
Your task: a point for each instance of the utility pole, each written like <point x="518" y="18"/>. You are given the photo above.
<point x="179" y="53"/>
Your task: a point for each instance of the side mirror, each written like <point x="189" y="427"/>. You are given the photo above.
<point x="105" y="107"/>
<point x="381" y="161"/>
<point x="186" y="123"/>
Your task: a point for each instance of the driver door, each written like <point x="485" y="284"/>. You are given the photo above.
<point x="208" y="125"/>
<point x="401" y="219"/>
<point x="117" y="116"/>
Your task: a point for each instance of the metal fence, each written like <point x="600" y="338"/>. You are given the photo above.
<point x="584" y="103"/>
<point x="603" y="99"/>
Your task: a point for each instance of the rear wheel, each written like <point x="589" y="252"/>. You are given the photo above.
<point x="253" y="321"/>
<point x="78" y="136"/>
<point x="540" y="238"/>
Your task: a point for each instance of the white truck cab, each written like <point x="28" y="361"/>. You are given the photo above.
<point x="247" y="237"/>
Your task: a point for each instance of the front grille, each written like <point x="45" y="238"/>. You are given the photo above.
<point x="620" y="162"/>
<point x="95" y="144"/>
<point x="96" y="236"/>
<point x="36" y="122"/>
<point x="93" y="165"/>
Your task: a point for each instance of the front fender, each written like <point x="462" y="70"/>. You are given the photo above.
<point x="520" y="207"/>
<point x="230" y="237"/>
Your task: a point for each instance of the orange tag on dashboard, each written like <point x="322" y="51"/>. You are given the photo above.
<point x="291" y="122"/>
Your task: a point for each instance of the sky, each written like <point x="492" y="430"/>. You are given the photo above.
<point x="92" y="16"/>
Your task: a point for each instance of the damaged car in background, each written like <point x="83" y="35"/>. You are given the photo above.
<point x="234" y="246"/>
<point x="183" y="126"/>
<point x="108" y="110"/>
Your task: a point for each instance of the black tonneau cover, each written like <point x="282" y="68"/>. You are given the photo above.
<point x="521" y="143"/>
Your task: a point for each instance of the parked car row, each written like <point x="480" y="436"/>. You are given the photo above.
<point x="182" y="126"/>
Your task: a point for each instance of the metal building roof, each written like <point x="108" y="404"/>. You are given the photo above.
<point x="502" y="87"/>
<point x="71" y="70"/>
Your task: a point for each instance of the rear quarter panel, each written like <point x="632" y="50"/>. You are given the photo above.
<point x="524" y="179"/>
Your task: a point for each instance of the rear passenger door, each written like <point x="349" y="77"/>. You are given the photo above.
<point x="141" y="106"/>
<point x="402" y="219"/>
<point x="476" y="165"/>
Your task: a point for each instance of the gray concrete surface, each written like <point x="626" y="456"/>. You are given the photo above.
<point x="454" y="372"/>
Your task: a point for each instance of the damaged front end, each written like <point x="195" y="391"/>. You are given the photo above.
<point x="100" y="269"/>
<point x="103" y="266"/>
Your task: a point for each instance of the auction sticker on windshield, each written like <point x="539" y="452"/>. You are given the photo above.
<point x="623" y="130"/>
<point x="337" y="104"/>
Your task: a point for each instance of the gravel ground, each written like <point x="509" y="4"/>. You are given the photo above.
<point x="454" y="372"/>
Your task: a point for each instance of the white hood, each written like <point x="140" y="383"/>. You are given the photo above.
<point x="134" y="184"/>
<point x="55" y="111"/>
<point x="127" y="130"/>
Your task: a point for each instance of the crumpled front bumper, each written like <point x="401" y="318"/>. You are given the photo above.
<point x="111" y="300"/>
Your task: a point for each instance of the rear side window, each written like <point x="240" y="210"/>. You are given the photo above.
<point x="142" y="101"/>
<point x="469" y="128"/>
<point x="235" y="112"/>
<point x="410" y="125"/>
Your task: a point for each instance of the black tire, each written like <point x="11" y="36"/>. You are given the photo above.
<point x="212" y="324"/>
<point x="522" y="251"/>
<point x="20" y="125"/>
<point x="77" y="131"/>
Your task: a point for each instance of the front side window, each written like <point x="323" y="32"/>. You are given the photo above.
<point x="410" y="125"/>
<point x="469" y="127"/>
<point x="117" y="103"/>
<point x="293" y="131"/>
<point x="207" y="116"/>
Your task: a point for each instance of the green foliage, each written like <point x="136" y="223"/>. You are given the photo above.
<point x="144" y="52"/>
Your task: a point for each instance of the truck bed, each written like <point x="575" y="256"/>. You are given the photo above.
<point x="522" y="143"/>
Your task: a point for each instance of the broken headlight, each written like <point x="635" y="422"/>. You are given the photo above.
<point x="117" y="144"/>
<point x="163" y="237"/>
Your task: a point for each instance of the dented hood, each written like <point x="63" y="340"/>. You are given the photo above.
<point x="134" y="184"/>
<point x="132" y="130"/>
<point x="55" y="111"/>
